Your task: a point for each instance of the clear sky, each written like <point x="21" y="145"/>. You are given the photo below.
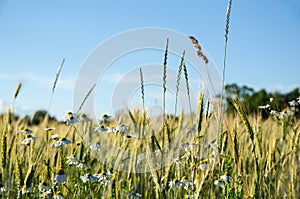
<point x="263" y="48"/>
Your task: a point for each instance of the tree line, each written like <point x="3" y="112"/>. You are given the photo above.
<point x="253" y="99"/>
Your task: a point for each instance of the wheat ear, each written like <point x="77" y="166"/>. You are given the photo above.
<point x="178" y="81"/>
<point x="16" y="93"/>
<point x="85" y="98"/>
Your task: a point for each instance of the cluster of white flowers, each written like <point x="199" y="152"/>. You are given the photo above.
<point x="2" y="189"/>
<point x="103" y="178"/>
<point x="223" y="180"/>
<point x="59" y="142"/>
<point x="45" y="190"/>
<point x="28" y="136"/>
<point x="71" y="118"/>
<point x="177" y="183"/>
<point x="74" y="161"/>
<point x="103" y="127"/>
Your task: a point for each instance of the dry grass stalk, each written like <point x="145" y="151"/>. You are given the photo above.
<point x="143" y="103"/>
<point x="85" y="98"/>
<point x="164" y="91"/>
<point x="165" y="77"/>
<point x="17" y="90"/>
<point x="186" y="77"/>
<point x="142" y="88"/>
<point x="178" y="81"/>
<point x="16" y="93"/>
<point x="198" y="49"/>
<point x="57" y="75"/>
<point x="227" y="20"/>
<point x="200" y="111"/>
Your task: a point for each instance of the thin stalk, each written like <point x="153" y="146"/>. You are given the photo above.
<point x="223" y="72"/>
<point x="178" y="81"/>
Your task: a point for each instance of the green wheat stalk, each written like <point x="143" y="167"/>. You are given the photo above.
<point x="3" y="153"/>
<point x="143" y="101"/>
<point x="178" y="81"/>
<point x="186" y="77"/>
<point x="164" y="89"/>
<point x="29" y="175"/>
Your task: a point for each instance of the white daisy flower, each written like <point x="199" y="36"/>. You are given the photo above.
<point x="71" y="160"/>
<point x="29" y="138"/>
<point x="273" y="112"/>
<point x="82" y="165"/>
<point x="122" y="129"/>
<point x="45" y="190"/>
<point x="26" y="190"/>
<point x="71" y="120"/>
<point x="204" y="165"/>
<point x="226" y="178"/>
<point x="67" y="115"/>
<point x="2" y="189"/>
<point x="102" y="129"/>
<point x="43" y="187"/>
<point x="25" y="131"/>
<point x="175" y="183"/>
<point x="267" y="106"/>
<point x="282" y="115"/>
<point x="60" y="177"/>
<point x="104" y="118"/>
<point x="84" y="118"/>
<point x="219" y="183"/>
<point x="88" y="177"/>
<point x="60" y="143"/>
<point x="293" y="103"/>
<point x="104" y="177"/>
<point x="184" y="180"/>
<point x="54" y="137"/>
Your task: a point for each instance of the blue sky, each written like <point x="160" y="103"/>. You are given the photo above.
<point x="263" y="48"/>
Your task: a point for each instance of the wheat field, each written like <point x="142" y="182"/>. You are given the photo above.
<point x="204" y="154"/>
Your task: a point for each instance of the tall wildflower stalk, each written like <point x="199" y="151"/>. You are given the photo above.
<point x="227" y="19"/>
